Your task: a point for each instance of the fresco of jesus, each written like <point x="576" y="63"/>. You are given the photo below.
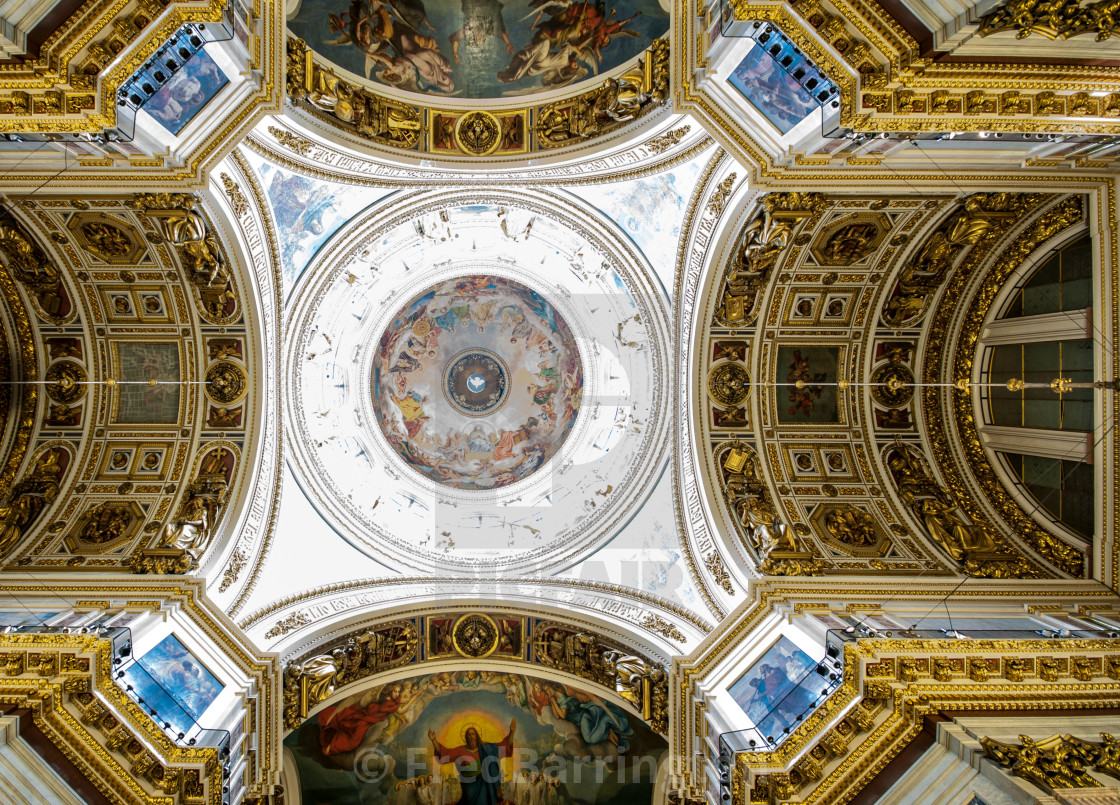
<point x="478" y="764"/>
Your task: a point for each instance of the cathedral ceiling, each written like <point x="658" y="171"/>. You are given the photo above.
<point x="137" y="441"/>
<point x="903" y="77"/>
<point x="586" y="368"/>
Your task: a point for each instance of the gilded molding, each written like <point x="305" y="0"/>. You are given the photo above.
<point x="1058" y="761"/>
<point x="944" y="365"/>
<point x="323" y="671"/>
<point x="65" y="680"/>
<point x="478" y="133"/>
<point x="1054" y="20"/>
<point x="894" y="683"/>
<point x="64" y="88"/>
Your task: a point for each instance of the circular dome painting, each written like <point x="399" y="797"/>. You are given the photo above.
<point x="476" y="382"/>
<point x="479" y="48"/>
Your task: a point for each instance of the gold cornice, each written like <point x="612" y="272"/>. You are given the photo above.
<point x="907" y="679"/>
<point x="689" y="56"/>
<point x="335" y="666"/>
<point x="772" y="594"/>
<point x="51" y="76"/>
<point x="152" y="172"/>
<point x="26" y="351"/>
<point x="402" y="124"/>
<point x="187" y="594"/>
<point x="64" y="699"/>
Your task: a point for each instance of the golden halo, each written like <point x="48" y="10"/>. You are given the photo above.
<point x="467" y="726"/>
<point x="422" y="327"/>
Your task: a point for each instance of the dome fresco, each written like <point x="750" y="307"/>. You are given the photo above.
<point x="477" y="382"/>
<point x="479" y="48"/>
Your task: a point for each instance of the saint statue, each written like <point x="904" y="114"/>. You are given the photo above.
<point x="191" y="531"/>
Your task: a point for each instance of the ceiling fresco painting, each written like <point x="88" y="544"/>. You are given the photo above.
<point x="772" y="90"/>
<point x="650" y="210"/>
<point x="307" y="211"/>
<point x="190" y="89"/>
<point x="476" y="736"/>
<point x="477" y="382"/>
<point x="479" y="48"/>
<point x="499" y="408"/>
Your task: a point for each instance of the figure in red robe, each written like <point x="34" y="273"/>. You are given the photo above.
<point x="341" y="729"/>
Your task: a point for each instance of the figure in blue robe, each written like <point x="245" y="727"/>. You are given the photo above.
<point x="598" y="720"/>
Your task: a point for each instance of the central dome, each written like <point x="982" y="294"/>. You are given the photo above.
<point x="476" y="382"/>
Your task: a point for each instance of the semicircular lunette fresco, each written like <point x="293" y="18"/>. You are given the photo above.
<point x="476" y="738"/>
<point x="477" y="382"/>
<point x="479" y="48"/>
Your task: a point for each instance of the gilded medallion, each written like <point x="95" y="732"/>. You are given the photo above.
<point x="729" y="384"/>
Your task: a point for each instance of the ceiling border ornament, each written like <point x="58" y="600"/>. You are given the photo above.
<point x="65" y="681"/>
<point x="396" y="123"/>
<point x="322" y="673"/>
<point x="630" y="610"/>
<point x="23" y="363"/>
<point x="700" y="229"/>
<point x="309" y="152"/>
<point x="789" y="596"/>
<point x="251" y="219"/>
<point x="891" y="685"/>
<point x="944" y="364"/>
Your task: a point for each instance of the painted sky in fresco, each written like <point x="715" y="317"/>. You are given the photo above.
<point x="479" y="48"/>
<point x="372" y="748"/>
<point x="307" y="212"/>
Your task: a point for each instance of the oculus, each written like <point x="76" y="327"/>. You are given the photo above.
<point x="477" y="382"/>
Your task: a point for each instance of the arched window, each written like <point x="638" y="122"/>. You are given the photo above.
<point x="1044" y="440"/>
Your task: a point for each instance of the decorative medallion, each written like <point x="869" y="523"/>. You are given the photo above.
<point x="851" y="239"/>
<point x="105" y="240"/>
<point x="478" y="133"/>
<point x="729" y="384"/>
<point x="892" y="385"/>
<point x="104" y="526"/>
<point x="226" y="382"/>
<point x="64" y="381"/>
<point x="851" y="526"/>
<point x="475" y="635"/>
<point x="477" y="382"/>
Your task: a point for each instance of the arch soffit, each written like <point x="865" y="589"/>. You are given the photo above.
<point x="125" y="305"/>
<point x="791" y="269"/>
